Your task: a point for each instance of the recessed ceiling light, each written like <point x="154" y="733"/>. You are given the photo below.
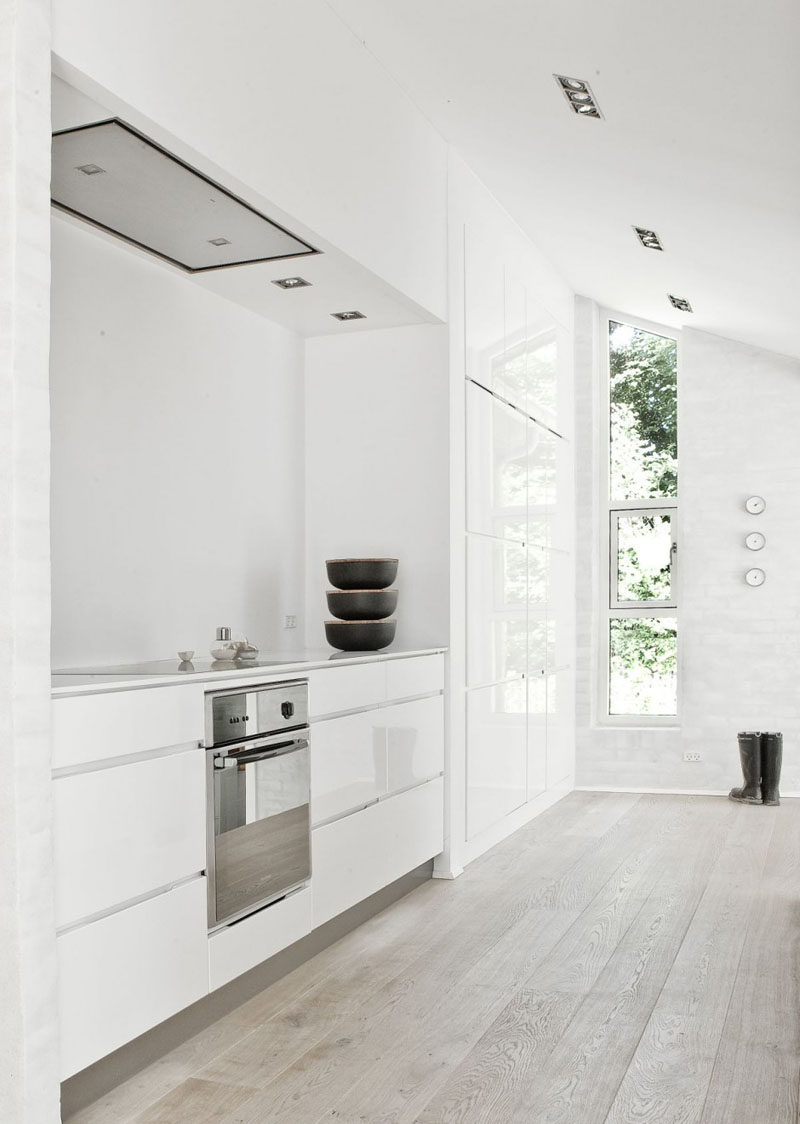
<point x="579" y="95"/>
<point x="90" y="169"/>
<point x="680" y="303"/>
<point x="648" y="238"/>
<point x="219" y="241"/>
<point x="291" y="283"/>
<point x="352" y="315"/>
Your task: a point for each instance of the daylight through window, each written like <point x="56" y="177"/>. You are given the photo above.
<point x="642" y="632"/>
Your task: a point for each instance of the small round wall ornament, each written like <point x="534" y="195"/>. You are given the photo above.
<point x="755" y="504"/>
<point x="755" y="577"/>
<point x="755" y="541"/>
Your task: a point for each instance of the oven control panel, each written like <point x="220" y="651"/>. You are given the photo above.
<point x="233" y="716"/>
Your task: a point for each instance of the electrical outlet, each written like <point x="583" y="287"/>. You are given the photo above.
<point x="692" y="755"/>
<point x="290" y="621"/>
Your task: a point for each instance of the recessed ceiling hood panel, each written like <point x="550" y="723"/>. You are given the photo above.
<point x="117" y="179"/>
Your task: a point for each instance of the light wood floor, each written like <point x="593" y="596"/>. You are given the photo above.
<point x="623" y="959"/>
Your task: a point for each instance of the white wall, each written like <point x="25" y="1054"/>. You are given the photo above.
<point x="739" y="647"/>
<point x="177" y="460"/>
<point x="377" y="470"/>
<point x="291" y="105"/>
<point x="28" y="1031"/>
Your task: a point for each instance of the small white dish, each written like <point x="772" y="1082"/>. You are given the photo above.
<point x="186" y="656"/>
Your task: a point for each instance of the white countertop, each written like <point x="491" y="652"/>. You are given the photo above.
<point x="167" y="673"/>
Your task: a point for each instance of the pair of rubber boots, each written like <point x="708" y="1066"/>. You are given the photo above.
<point x="761" y="756"/>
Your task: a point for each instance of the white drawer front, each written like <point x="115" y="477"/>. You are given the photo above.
<point x="418" y="675"/>
<point x="415" y="741"/>
<point x="348" y="763"/>
<point x="96" y="727"/>
<point x="249" y="942"/>
<point x="355" y="856"/>
<point x="346" y="688"/>
<point x="120" y="976"/>
<point x="124" y="831"/>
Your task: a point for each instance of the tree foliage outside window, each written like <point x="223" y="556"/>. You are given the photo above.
<point x="644" y="414"/>
<point x="643" y="466"/>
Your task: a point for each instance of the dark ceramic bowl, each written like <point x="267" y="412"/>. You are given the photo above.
<point x="362" y="604"/>
<point x="360" y="636"/>
<point x="361" y="573"/>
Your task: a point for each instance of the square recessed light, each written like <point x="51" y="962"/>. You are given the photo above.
<point x="291" y="283"/>
<point x="219" y="241"/>
<point x="90" y="169"/>
<point x="352" y="315"/>
<point x="579" y="95"/>
<point x="680" y="303"/>
<point x="648" y="238"/>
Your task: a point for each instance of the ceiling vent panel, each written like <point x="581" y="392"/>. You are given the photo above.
<point x="117" y="179"/>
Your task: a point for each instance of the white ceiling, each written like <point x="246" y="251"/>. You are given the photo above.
<point x="700" y="141"/>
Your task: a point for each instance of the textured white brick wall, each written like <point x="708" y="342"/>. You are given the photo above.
<point x="739" y="414"/>
<point x="28" y="1038"/>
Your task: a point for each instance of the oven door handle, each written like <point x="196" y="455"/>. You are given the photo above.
<point x="267" y="753"/>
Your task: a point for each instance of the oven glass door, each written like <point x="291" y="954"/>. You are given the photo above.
<point x="261" y="826"/>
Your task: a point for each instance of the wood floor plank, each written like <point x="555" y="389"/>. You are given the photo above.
<point x="629" y="957"/>
<point x="622" y="958"/>
<point x="669" y="1075"/>
<point x="194" y="1101"/>
<point x="757" y="1069"/>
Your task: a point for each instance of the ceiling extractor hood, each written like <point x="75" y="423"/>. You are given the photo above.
<point x="116" y="178"/>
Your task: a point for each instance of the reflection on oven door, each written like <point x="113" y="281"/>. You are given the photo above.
<point x="261" y="813"/>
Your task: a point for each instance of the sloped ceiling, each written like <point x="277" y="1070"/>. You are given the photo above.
<point x="700" y="141"/>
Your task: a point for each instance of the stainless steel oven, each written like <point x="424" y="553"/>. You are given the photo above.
<point x="258" y="790"/>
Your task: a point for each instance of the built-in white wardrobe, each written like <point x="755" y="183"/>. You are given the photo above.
<point x="513" y="367"/>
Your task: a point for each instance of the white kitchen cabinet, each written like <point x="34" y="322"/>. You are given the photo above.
<point x="126" y="830"/>
<point x="497" y="437"/>
<point x="560" y="726"/>
<point x="249" y="942"/>
<point x="333" y="689"/>
<point x="414" y="741"/>
<point x="360" y="854"/>
<point x="536" y="747"/>
<point x="348" y="763"/>
<point x="496" y="753"/>
<point x="484" y="305"/>
<point x="103" y="726"/>
<point x="496" y="611"/>
<point x="127" y="972"/>
<point x="417" y="675"/>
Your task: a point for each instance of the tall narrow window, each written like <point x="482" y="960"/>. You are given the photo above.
<point x="641" y="638"/>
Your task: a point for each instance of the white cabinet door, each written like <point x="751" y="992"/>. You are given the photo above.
<point x="333" y="689"/>
<point x="560" y="726"/>
<point x="415" y="741"/>
<point x="418" y="675"/>
<point x="124" y="974"/>
<point x="126" y="830"/>
<point x="497" y="769"/>
<point x="252" y="940"/>
<point x="358" y="855"/>
<point x="348" y="763"/>
<point x="97" y="727"/>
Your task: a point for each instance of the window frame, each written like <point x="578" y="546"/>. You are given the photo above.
<point x="607" y="510"/>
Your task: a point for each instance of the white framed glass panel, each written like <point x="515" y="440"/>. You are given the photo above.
<point x="643" y="665"/>
<point x="643" y="556"/>
<point x="643" y="417"/>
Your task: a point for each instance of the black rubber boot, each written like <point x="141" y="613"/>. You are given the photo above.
<point x="771" y="758"/>
<point x="750" y="757"/>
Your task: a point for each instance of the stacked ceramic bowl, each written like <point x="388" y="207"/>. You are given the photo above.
<point x="362" y="602"/>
